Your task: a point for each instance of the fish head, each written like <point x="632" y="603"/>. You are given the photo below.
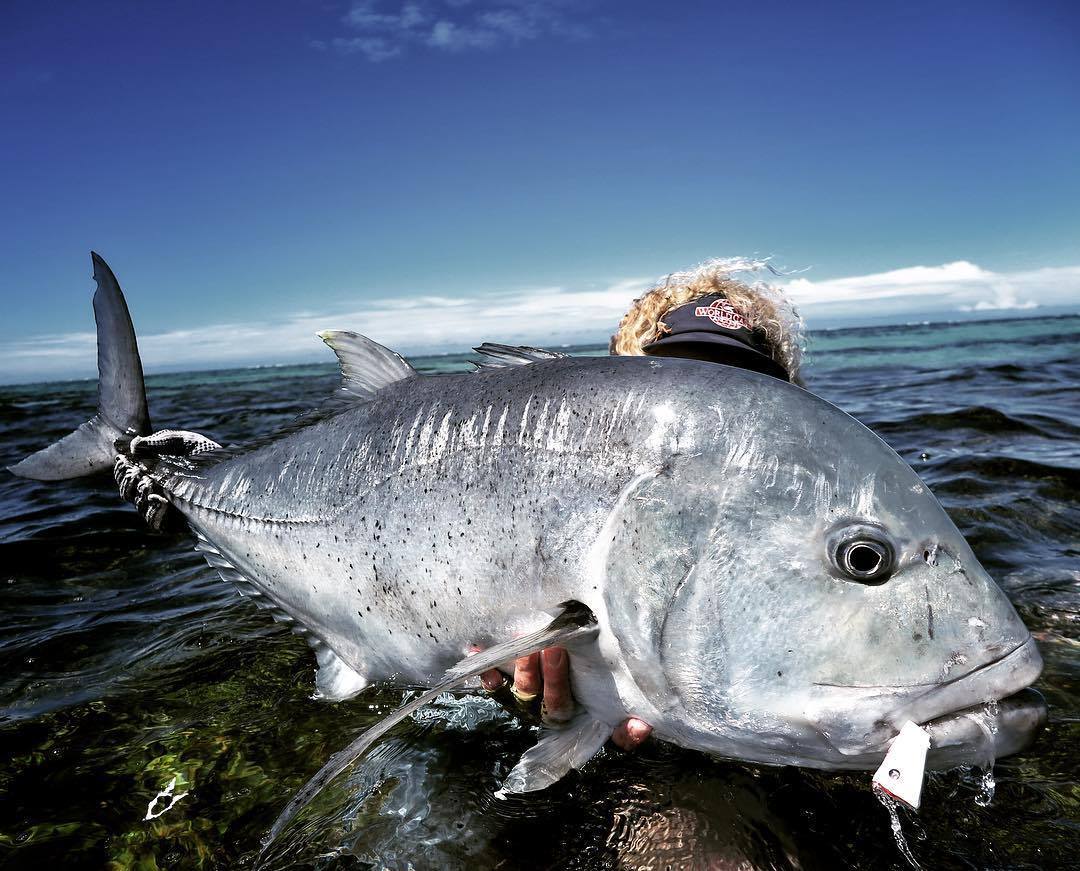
<point x="819" y="597"/>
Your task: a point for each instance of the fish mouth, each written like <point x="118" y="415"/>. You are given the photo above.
<point x="973" y="719"/>
<point x="986" y="713"/>
<point x="983" y="714"/>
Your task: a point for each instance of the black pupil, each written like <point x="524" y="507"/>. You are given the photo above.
<point x="864" y="559"/>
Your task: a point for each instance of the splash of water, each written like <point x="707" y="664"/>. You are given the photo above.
<point x="891" y="805"/>
<point x="987" y="786"/>
<point x="986" y="720"/>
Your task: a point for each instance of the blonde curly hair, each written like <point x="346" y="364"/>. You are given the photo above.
<point x="770" y="315"/>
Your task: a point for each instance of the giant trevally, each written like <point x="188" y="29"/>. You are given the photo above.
<point x="727" y="556"/>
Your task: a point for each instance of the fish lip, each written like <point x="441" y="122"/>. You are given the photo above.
<point x="934" y="685"/>
<point x="1027" y="698"/>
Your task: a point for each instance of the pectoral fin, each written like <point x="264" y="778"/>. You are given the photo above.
<point x="574" y="624"/>
<point x="557" y="751"/>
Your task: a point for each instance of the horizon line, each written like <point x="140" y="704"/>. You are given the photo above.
<point x="1034" y="313"/>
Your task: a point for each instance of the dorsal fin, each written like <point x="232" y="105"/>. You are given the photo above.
<point x="366" y="366"/>
<point x="501" y="356"/>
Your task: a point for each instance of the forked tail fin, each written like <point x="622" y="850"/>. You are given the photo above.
<point x="122" y="411"/>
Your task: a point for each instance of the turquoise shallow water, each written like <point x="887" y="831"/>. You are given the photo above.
<point x="125" y="662"/>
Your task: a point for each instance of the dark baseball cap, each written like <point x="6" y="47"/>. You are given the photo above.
<point x="711" y="329"/>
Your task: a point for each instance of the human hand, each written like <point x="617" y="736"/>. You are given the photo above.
<point x="133" y="478"/>
<point x="546" y="676"/>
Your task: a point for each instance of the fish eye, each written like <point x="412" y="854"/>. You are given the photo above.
<point x="862" y="553"/>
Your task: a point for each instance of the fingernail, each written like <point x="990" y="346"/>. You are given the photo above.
<point x="555" y="656"/>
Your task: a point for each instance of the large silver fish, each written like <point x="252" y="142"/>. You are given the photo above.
<point x="728" y="557"/>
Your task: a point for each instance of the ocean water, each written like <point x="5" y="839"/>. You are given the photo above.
<point x="127" y="669"/>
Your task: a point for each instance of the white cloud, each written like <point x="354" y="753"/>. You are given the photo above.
<point x="960" y="286"/>
<point x="384" y="29"/>
<point x="422" y="324"/>
<point x="541" y="316"/>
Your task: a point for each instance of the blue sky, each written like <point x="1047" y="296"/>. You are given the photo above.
<point x="440" y="172"/>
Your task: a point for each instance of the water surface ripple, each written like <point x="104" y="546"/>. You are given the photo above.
<point x="126" y="666"/>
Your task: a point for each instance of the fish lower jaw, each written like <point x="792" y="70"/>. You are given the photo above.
<point x="973" y="736"/>
<point x="982" y="733"/>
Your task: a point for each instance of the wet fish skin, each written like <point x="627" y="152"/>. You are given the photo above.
<point x="687" y="504"/>
<point x="447" y="512"/>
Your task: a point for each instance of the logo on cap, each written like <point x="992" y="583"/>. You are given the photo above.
<point x="723" y="314"/>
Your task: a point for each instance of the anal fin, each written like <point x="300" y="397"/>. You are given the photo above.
<point x="334" y="680"/>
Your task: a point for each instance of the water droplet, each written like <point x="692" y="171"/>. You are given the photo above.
<point x="890" y="805"/>
<point x="987" y="720"/>
<point x="987" y="786"/>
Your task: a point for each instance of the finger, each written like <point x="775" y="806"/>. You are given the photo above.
<point x="157" y="511"/>
<point x="558" y="703"/>
<point x="143" y="489"/>
<point x="492" y="680"/>
<point x="129" y="482"/>
<point x="119" y="469"/>
<point x="527" y="677"/>
<point x="630" y="733"/>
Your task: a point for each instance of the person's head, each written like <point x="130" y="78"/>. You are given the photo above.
<point x="741" y="322"/>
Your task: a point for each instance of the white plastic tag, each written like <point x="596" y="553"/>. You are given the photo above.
<point x="901" y="774"/>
